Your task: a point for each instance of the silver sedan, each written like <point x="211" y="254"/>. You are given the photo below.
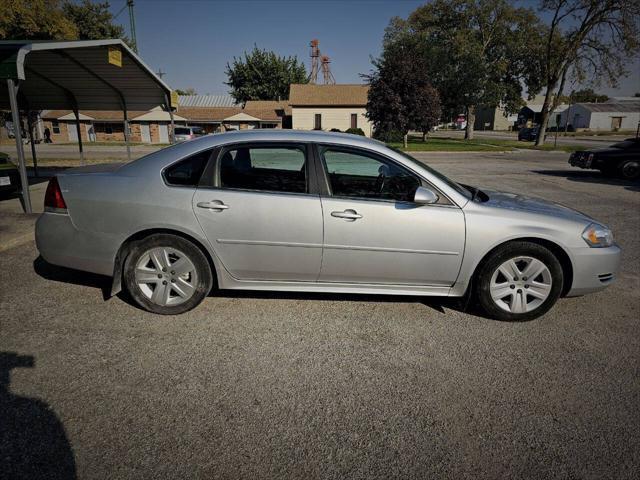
<point x="315" y="212"/>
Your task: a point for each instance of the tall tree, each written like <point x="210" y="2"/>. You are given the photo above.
<point x="186" y="91"/>
<point x="400" y="96"/>
<point x="476" y="50"/>
<point x="57" y="20"/>
<point x="263" y="75"/>
<point x="94" y="21"/>
<point x="585" y="39"/>
<point x="35" y="20"/>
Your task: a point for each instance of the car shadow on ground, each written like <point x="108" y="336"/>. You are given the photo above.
<point x="33" y="440"/>
<point x="76" y="277"/>
<point x="591" y="176"/>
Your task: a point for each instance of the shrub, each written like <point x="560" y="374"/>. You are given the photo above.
<point x="355" y="131"/>
<point x="392" y="136"/>
<point x="336" y="130"/>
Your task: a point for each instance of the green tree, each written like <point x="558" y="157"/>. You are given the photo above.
<point x="93" y="21"/>
<point x="476" y="50"/>
<point x="57" y="20"/>
<point x="186" y="91"/>
<point x="35" y="20"/>
<point x="587" y="95"/>
<point x="263" y="75"/>
<point x="585" y="39"/>
<point x="400" y="97"/>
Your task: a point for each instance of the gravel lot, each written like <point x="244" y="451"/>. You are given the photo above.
<point x="260" y="385"/>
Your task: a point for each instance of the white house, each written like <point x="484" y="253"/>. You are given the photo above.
<point x="323" y="107"/>
<point x="608" y="116"/>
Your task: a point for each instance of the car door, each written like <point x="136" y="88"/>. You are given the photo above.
<point x="375" y="233"/>
<point x="259" y="213"/>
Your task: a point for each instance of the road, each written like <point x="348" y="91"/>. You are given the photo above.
<point x="275" y="385"/>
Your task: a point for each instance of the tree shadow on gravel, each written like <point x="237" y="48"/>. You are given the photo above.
<point x="33" y="442"/>
<point x="75" y="277"/>
<point x="591" y="176"/>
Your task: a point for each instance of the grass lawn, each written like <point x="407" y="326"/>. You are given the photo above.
<point x="439" y="144"/>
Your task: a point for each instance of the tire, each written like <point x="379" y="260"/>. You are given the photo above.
<point x="155" y="286"/>
<point x="524" y="298"/>
<point x="629" y="169"/>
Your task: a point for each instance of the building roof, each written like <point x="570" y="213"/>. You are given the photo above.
<point x="206" y="101"/>
<point x="210" y="114"/>
<point x="270" y="110"/>
<point x="623" y="99"/>
<point x="538" y="108"/>
<point x="328" y="95"/>
<point x="622" y="107"/>
<point x="242" y="117"/>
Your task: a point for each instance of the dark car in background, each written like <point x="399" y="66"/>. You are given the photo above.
<point x="9" y="175"/>
<point x="620" y="159"/>
<point x="528" y="134"/>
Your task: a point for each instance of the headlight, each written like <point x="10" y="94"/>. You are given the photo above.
<point x="597" y="236"/>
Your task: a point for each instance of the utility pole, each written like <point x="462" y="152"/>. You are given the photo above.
<point x="160" y="73"/>
<point x="132" y="22"/>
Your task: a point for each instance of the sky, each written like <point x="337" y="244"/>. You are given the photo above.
<point x="192" y="40"/>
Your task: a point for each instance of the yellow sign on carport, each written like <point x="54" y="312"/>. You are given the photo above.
<point x="115" y="56"/>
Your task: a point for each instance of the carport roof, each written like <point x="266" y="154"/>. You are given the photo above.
<point x="97" y="74"/>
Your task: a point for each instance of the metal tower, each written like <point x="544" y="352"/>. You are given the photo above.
<point x="326" y="71"/>
<point x="315" y="55"/>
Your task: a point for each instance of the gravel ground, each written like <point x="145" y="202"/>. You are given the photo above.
<point x="261" y="385"/>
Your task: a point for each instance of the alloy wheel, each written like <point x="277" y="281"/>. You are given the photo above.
<point x="166" y="276"/>
<point x="520" y="284"/>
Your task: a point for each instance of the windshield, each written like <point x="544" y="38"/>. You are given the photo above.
<point x="456" y="186"/>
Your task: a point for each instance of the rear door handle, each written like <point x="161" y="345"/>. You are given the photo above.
<point x="349" y="215"/>
<point x="213" y="205"/>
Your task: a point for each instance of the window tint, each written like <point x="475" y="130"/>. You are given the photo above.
<point x="272" y="169"/>
<point x="188" y="171"/>
<point x="359" y="175"/>
<point x="182" y="131"/>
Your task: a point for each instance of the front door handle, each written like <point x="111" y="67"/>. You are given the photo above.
<point x="349" y="215"/>
<point x="213" y="205"/>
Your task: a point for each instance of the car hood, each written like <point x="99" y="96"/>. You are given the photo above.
<point x="514" y="201"/>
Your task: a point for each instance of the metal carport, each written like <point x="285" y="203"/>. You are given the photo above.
<point x="76" y="75"/>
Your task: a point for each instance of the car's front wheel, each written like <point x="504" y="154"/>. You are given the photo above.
<point x="519" y="281"/>
<point x="167" y="274"/>
<point x="630" y="169"/>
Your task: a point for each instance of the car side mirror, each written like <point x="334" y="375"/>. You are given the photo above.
<point x="425" y="196"/>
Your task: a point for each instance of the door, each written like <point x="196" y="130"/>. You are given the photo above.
<point x="163" y="133"/>
<point x="374" y="233"/>
<point x="72" y="128"/>
<point x="144" y="133"/>
<point x="260" y="216"/>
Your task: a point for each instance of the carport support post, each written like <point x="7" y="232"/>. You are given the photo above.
<point x="77" y="115"/>
<point x="172" y="137"/>
<point x="126" y="132"/>
<point x="17" y="130"/>
<point x="33" y="144"/>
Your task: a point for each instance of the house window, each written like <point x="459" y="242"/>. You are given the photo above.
<point x="55" y="126"/>
<point x="317" y="124"/>
<point x="354" y="120"/>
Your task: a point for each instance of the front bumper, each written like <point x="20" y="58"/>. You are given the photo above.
<point x="594" y="269"/>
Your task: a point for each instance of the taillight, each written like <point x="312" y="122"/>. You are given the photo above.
<point x="53" y="200"/>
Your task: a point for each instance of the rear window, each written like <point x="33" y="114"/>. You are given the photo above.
<point x="183" y="131"/>
<point x="187" y="172"/>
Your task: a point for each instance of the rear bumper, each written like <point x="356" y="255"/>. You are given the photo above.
<point x="60" y="243"/>
<point x="594" y="269"/>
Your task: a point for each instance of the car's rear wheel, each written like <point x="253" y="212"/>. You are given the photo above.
<point x="519" y="281"/>
<point x="630" y="169"/>
<point x="167" y="274"/>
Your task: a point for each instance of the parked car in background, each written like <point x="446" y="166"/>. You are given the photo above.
<point x="528" y="134"/>
<point x="315" y="212"/>
<point x="9" y="175"/>
<point x="620" y="159"/>
<point x="183" y="134"/>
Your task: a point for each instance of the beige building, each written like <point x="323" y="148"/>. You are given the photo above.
<point x="326" y="107"/>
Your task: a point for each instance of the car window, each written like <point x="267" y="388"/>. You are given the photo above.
<point x="359" y="175"/>
<point x="182" y="131"/>
<point x="187" y="172"/>
<point x="271" y="169"/>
